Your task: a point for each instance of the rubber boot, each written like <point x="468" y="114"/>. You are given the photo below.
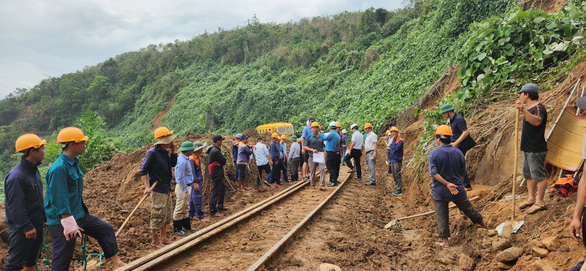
<point x="187" y="224"/>
<point x="177" y="228"/>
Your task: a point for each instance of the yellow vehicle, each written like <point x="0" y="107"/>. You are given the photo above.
<point x="280" y="127"/>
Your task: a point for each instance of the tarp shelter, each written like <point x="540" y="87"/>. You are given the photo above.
<point x="565" y="142"/>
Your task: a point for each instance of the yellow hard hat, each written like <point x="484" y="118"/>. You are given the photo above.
<point x="162" y="131"/>
<point x="314" y="124"/>
<point x="71" y="134"/>
<point x="367" y="125"/>
<point x="28" y="141"/>
<point x="283" y="137"/>
<point x="387" y="132"/>
<point x="338" y="124"/>
<point x="443" y="130"/>
<point x="394" y="129"/>
<point x="275" y="135"/>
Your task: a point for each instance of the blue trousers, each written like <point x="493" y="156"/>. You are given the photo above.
<point x="92" y="226"/>
<point x="23" y="252"/>
<point x="195" y="202"/>
<point x="266" y="168"/>
<point x="277" y="169"/>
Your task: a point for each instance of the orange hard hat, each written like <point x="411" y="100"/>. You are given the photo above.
<point x="162" y="131"/>
<point x="394" y="129"/>
<point x="28" y="141"/>
<point x="338" y="124"/>
<point x="367" y="125"/>
<point x="443" y="130"/>
<point x="71" y="134"/>
<point x="314" y="124"/>
<point x="275" y="135"/>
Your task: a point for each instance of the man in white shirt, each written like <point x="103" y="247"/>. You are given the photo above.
<point x="263" y="161"/>
<point x="370" y="149"/>
<point x="294" y="159"/>
<point x="355" y="153"/>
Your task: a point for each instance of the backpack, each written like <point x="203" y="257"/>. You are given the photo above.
<point x="567" y="185"/>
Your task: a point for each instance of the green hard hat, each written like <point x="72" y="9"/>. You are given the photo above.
<point x="187" y="146"/>
<point x="446" y="108"/>
<point x="293" y="138"/>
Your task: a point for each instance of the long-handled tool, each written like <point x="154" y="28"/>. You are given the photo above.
<point x="133" y="211"/>
<point x="395" y="224"/>
<point x="508" y="226"/>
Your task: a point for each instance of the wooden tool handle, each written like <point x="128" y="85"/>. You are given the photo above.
<point x="516" y="158"/>
<point x="133" y="211"/>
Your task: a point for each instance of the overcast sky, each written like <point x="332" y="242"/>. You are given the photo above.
<point x="42" y="38"/>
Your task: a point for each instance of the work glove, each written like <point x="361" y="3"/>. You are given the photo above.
<point x="70" y="228"/>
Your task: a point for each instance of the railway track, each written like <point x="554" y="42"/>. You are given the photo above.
<point x="245" y="240"/>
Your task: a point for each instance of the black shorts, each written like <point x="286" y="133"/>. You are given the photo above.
<point x="241" y="172"/>
<point x="306" y="157"/>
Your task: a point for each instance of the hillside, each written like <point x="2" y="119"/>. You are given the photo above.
<point x="391" y="68"/>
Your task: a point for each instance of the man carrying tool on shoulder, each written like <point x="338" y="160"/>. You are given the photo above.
<point x="67" y="215"/>
<point x="447" y="168"/>
<point x="23" y="204"/>
<point x="533" y="146"/>
<point x="156" y="167"/>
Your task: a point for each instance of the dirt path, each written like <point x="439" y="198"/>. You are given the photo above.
<point x="240" y="246"/>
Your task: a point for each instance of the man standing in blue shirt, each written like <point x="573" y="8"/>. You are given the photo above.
<point x="25" y="215"/>
<point x="304" y="137"/>
<point x="66" y="212"/>
<point x="396" y="159"/>
<point x="156" y="167"/>
<point x="461" y="138"/>
<point x="332" y="145"/>
<point x="184" y="179"/>
<point x="275" y="151"/>
<point x="447" y="168"/>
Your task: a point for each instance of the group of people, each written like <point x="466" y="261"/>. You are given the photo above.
<point x="64" y="211"/>
<point x="67" y="216"/>
<point x="447" y="164"/>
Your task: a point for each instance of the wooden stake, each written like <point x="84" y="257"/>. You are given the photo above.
<point x="133" y="211"/>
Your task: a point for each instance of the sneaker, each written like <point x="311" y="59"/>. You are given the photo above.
<point x="267" y="183"/>
<point x="397" y="193"/>
<point x="351" y="170"/>
<point x="180" y="233"/>
<point x="387" y="163"/>
<point x="216" y="215"/>
<point x="223" y="209"/>
<point x="370" y="184"/>
<point x="332" y="184"/>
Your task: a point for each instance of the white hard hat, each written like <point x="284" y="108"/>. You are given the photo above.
<point x="344" y="131"/>
<point x="333" y="124"/>
<point x="354" y="126"/>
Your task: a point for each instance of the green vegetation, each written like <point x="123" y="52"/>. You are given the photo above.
<point x="352" y="67"/>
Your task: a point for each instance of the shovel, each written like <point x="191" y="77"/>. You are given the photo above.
<point x="507" y="228"/>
